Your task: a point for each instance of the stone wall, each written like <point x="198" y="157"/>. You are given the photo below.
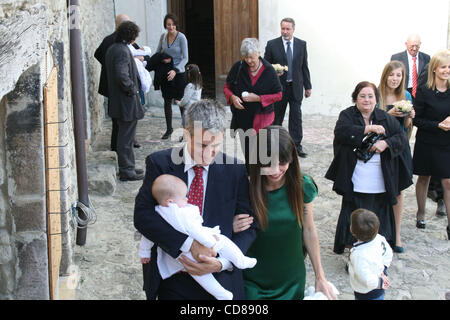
<point x="33" y="34"/>
<point x="97" y="21"/>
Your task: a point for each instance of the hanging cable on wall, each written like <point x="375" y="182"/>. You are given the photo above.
<point x="89" y="214"/>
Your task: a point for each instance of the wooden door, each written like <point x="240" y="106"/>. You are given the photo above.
<point x="234" y="20"/>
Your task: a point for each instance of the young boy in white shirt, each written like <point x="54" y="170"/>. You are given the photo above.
<point x="369" y="258"/>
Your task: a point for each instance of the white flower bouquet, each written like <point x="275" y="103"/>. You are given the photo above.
<point x="279" y="68"/>
<point x="404" y="106"/>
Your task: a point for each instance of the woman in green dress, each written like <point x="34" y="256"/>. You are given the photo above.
<point x="282" y="200"/>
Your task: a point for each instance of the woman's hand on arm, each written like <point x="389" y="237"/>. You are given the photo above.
<point x="242" y="222"/>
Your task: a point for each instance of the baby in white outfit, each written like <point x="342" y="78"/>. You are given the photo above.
<point x="170" y="192"/>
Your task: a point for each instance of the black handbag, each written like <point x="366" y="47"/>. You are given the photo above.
<point x="362" y="152"/>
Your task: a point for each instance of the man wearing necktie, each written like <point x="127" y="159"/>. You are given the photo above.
<point x="414" y="62"/>
<point x="416" y="65"/>
<point x="291" y="52"/>
<point x="218" y="185"/>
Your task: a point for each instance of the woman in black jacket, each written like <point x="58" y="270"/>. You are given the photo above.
<point x="251" y="89"/>
<point x="371" y="185"/>
<point x="432" y="149"/>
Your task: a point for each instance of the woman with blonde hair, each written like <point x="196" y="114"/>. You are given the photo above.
<point x="432" y="148"/>
<point x="391" y="90"/>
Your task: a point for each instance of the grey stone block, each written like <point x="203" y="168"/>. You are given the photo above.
<point x="26" y="163"/>
<point x="102" y="180"/>
<point x="33" y="283"/>
<point x="4" y="237"/>
<point x="30" y="216"/>
<point x="5" y="253"/>
<point x="7" y="279"/>
<point x="102" y="158"/>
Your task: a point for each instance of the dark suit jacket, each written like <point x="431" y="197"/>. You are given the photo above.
<point x="100" y="54"/>
<point x="403" y="57"/>
<point x="226" y="195"/>
<point x="123" y="84"/>
<point x="275" y="53"/>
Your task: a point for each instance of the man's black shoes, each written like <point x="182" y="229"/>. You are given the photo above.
<point x="136" y="177"/>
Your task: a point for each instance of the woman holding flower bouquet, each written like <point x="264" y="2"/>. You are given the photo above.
<point x="396" y="101"/>
<point x="432" y="148"/>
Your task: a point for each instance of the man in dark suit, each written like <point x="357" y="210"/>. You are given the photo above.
<point x="100" y="54"/>
<point x="226" y="193"/>
<point x="290" y="51"/>
<point x="411" y="58"/>
<point x="124" y="103"/>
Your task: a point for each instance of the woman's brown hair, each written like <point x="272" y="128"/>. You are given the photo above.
<point x="276" y="143"/>
<point x="399" y="91"/>
<point x="362" y="85"/>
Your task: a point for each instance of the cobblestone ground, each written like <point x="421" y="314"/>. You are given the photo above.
<point x="109" y="266"/>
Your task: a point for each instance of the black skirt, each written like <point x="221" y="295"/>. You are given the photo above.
<point x="431" y="160"/>
<point x="174" y="89"/>
<point x="377" y="203"/>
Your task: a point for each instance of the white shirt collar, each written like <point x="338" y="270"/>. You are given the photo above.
<point x="410" y="57"/>
<point x="189" y="163"/>
<point x="285" y="41"/>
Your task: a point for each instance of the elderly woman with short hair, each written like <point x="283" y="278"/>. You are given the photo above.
<point x="251" y="89"/>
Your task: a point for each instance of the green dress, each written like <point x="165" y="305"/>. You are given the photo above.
<point x="280" y="272"/>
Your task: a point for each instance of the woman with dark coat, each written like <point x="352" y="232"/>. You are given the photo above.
<point x="432" y="148"/>
<point x="251" y="89"/>
<point x="371" y="185"/>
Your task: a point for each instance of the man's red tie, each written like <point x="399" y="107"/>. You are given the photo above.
<point x="196" y="189"/>
<point x="414" y="77"/>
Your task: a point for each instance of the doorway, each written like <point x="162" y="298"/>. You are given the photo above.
<point x="199" y="28"/>
<point x="214" y="30"/>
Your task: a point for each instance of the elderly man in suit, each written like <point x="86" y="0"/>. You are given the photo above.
<point x="124" y="103"/>
<point x="224" y="193"/>
<point x="414" y="62"/>
<point x="290" y="51"/>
